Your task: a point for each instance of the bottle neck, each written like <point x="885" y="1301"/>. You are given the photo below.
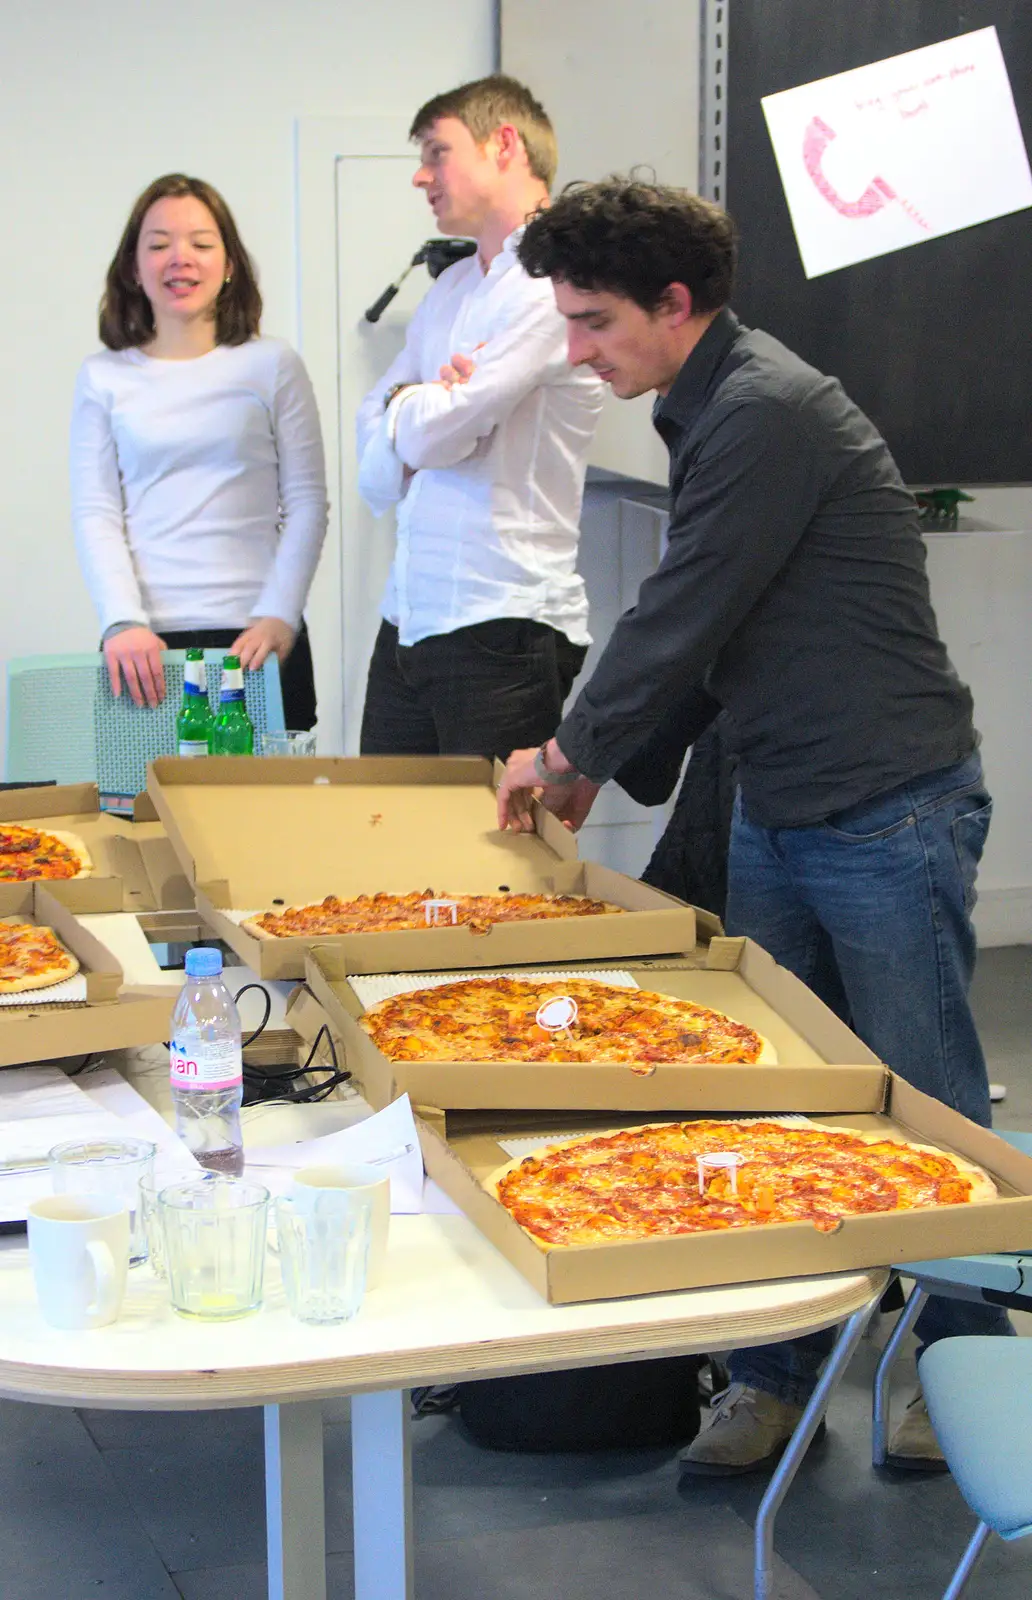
<point x="195" y="678"/>
<point x="232" y="684"/>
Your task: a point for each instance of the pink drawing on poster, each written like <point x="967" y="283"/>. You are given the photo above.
<point x="877" y="194"/>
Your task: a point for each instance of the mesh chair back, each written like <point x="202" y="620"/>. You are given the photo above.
<point x="64" y="723"/>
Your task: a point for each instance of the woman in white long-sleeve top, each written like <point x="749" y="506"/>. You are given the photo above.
<point x="198" y="480"/>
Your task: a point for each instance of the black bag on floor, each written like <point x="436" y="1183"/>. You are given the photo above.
<point x="632" y="1405"/>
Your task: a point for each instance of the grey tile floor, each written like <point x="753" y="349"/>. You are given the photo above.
<point x="151" y="1507"/>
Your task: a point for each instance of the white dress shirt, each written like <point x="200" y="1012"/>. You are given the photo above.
<point x="489" y="513"/>
<point x="198" y="487"/>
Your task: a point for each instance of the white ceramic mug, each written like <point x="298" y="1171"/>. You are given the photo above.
<point x="79" y="1251"/>
<point x="368" y="1180"/>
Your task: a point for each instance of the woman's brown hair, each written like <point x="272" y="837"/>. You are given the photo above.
<point x="126" y="318"/>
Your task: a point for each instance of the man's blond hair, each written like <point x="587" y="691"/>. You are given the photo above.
<point x="483" y="105"/>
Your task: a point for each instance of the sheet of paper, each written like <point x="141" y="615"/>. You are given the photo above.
<point x="48" y="1107"/>
<point x="30" y="1140"/>
<point x="907" y="149"/>
<point x="387" y="1139"/>
<point x="108" y="1091"/>
<point x="40" y="1092"/>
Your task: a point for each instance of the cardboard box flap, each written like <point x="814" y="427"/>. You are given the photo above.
<point x="49" y="800"/>
<point x="254" y="833"/>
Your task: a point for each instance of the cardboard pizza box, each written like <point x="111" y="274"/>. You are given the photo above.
<point x="112" y="1016"/>
<point x="472" y="1148"/>
<point x="134" y="867"/>
<point x="252" y="835"/>
<point x="732" y="975"/>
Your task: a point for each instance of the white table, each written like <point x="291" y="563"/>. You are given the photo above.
<point x="451" y="1308"/>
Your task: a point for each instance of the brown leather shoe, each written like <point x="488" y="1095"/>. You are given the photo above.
<point x="747" y="1430"/>
<point x="913" y="1445"/>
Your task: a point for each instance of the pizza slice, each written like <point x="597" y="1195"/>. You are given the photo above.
<point x="29" y="854"/>
<point x="32" y="957"/>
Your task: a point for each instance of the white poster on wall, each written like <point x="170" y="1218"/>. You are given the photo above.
<point x="900" y="151"/>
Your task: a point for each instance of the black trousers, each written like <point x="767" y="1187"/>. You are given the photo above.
<point x="483" y="691"/>
<point x="297" y="679"/>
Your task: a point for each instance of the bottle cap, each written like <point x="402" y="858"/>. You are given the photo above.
<point x="194" y="653"/>
<point x="230" y="663"/>
<point x="203" y="963"/>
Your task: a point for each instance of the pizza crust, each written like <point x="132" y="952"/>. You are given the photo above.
<point x="71" y="841"/>
<point x="982" y="1186"/>
<point x="256" y="932"/>
<point x="65" y="965"/>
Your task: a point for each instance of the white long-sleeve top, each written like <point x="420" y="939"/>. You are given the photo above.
<point x="198" y="487"/>
<point x="488" y="520"/>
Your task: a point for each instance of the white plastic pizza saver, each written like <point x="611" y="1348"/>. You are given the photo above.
<point x="432" y="907"/>
<point x="557" y="1014"/>
<point x="715" y="1161"/>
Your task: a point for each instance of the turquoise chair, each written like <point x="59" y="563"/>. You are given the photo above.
<point x="979" y="1397"/>
<point x="65" y="725"/>
<point x="1004" y="1279"/>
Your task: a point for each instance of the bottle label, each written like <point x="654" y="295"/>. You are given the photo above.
<point x="193" y="747"/>
<point x="197" y="1063"/>
<point x="197" y="689"/>
<point x="229" y="695"/>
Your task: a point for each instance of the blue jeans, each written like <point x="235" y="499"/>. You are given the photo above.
<point x="872" y="909"/>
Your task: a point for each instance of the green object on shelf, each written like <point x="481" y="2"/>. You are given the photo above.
<point x="940" y="508"/>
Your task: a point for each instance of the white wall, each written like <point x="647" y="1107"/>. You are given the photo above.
<point x="97" y="99"/>
<point x="621" y="84"/>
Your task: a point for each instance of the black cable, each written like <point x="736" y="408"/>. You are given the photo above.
<point x="265" y="1020"/>
<point x="83" y="1064"/>
<point x="256" y="1078"/>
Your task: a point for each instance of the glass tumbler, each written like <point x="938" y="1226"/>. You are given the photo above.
<point x="288" y="742"/>
<point x="324" y="1254"/>
<point x="114" y="1168"/>
<point x="152" y="1226"/>
<point x="213" y="1229"/>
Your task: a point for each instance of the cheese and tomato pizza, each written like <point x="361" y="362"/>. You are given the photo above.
<point x="497" y="1019"/>
<point x="647" y="1182"/>
<point x="394" y="913"/>
<point x="32" y="958"/>
<point x="29" y="853"/>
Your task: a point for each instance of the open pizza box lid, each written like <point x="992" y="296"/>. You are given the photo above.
<point x="732" y="975"/>
<point x="254" y="835"/>
<point x="134" y="868"/>
<point x="92" y="1011"/>
<point x="475" y="1146"/>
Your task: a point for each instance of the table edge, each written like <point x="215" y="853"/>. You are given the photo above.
<point x="292" y="1382"/>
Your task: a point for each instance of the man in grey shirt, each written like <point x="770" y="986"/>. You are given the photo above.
<point x="793" y="594"/>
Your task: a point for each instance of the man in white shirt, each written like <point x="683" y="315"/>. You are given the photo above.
<point x="480" y="431"/>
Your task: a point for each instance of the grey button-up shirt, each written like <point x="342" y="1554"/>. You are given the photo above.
<point x="793" y="592"/>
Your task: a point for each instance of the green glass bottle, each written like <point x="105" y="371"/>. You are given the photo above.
<point x="233" y="734"/>
<point x="195" y="721"/>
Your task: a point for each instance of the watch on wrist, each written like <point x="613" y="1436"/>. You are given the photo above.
<point x="545" y="775"/>
<point x="392" y="393"/>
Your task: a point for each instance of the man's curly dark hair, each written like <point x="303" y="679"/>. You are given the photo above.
<point x="632" y="238"/>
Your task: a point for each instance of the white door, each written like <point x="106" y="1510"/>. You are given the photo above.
<point x="370" y="258"/>
<point x="359" y="224"/>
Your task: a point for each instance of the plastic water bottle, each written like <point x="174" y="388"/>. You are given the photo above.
<point x="206" y="1066"/>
